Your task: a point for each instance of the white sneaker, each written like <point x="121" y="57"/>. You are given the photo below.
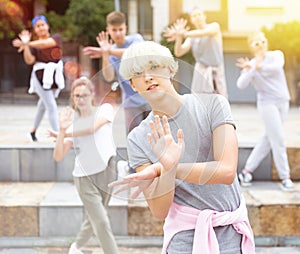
<point x="74" y="250"/>
<point x="123" y="168"/>
<point x="245" y="179"/>
<point x="287" y="185"/>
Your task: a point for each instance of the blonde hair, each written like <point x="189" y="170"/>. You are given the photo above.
<point x="82" y="81"/>
<point x="140" y="55"/>
<point x="254" y="35"/>
<point x="197" y="9"/>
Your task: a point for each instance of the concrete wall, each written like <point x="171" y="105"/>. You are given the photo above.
<point x="251" y="15"/>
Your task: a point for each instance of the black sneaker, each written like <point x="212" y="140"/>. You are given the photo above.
<point x="32" y="136"/>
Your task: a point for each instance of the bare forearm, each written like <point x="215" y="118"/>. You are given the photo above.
<point x="160" y="194"/>
<point x="88" y="129"/>
<point x="178" y="47"/>
<point x="221" y="170"/>
<point x="116" y="52"/>
<point x="28" y="57"/>
<point x="107" y="69"/>
<point x="42" y="44"/>
<point x="83" y="132"/>
<point x="197" y="33"/>
<point x="212" y="29"/>
<point x="212" y="172"/>
<point x="245" y="78"/>
<point x="59" y="150"/>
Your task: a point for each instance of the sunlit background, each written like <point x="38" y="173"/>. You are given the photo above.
<point x="79" y="21"/>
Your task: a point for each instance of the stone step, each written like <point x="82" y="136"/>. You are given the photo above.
<point x="53" y="209"/>
<point x="23" y="163"/>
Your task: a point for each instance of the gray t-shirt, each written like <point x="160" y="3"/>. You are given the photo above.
<point x="207" y="51"/>
<point x="199" y="115"/>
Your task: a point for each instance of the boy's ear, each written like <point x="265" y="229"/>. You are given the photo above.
<point x="132" y="85"/>
<point x="172" y="73"/>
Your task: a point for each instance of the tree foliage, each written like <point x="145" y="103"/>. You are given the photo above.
<point x="188" y="57"/>
<point x="12" y="18"/>
<point x="285" y="36"/>
<point x="83" y="20"/>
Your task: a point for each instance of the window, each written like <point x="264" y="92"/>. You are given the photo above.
<point x="145" y="15"/>
<point x="258" y="4"/>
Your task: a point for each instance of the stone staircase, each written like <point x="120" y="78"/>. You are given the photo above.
<point x="38" y="200"/>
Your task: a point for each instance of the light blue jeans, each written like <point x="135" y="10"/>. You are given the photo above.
<point x="273" y="116"/>
<point x="46" y="102"/>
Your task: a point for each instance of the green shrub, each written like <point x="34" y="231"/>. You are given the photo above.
<point x="285" y="36"/>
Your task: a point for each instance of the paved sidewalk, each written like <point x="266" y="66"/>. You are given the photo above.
<point x="16" y="121"/>
<point x="124" y="250"/>
<point x="127" y="245"/>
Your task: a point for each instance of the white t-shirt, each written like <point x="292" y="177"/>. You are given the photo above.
<point x="94" y="151"/>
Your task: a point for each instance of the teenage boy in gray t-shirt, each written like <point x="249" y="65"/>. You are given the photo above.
<point x="197" y="171"/>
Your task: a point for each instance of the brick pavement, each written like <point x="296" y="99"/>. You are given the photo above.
<point x="131" y="250"/>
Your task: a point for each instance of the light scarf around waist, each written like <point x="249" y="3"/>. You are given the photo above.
<point x="182" y="218"/>
<point x="53" y="72"/>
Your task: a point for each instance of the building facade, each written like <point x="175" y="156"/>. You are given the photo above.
<point x="237" y="19"/>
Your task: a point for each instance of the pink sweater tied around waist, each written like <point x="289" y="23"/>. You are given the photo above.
<point x="181" y="218"/>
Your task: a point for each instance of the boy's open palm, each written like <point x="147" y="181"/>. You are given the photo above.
<point x="165" y="148"/>
<point x="163" y="144"/>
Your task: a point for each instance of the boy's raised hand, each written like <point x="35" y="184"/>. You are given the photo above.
<point x="167" y="151"/>
<point x="163" y="144"/>
<point x="104" y="42"/>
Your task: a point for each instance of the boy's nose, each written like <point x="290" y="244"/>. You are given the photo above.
<point x="148" y="76"/>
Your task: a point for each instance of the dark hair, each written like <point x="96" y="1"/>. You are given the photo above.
<point x="115" y="18"/>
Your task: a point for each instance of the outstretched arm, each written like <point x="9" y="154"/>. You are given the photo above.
<point x="222" y="170"/>
<point x="157" y="181"/>
<point x="276" y="63"/>
<point x="23" y="44"/>
<point x="105" y="45"/>
<point x="247" y="72"/>
<point x="88" y="130"/>
<point x="177" y="33"/>
<point x="211" y="29"/>
<point x="161" y="194"/>
<point x="61" y="146"/>
<point x="92" y="52"/>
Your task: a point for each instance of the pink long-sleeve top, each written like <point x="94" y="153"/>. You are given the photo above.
<point x="182" y="218"/>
